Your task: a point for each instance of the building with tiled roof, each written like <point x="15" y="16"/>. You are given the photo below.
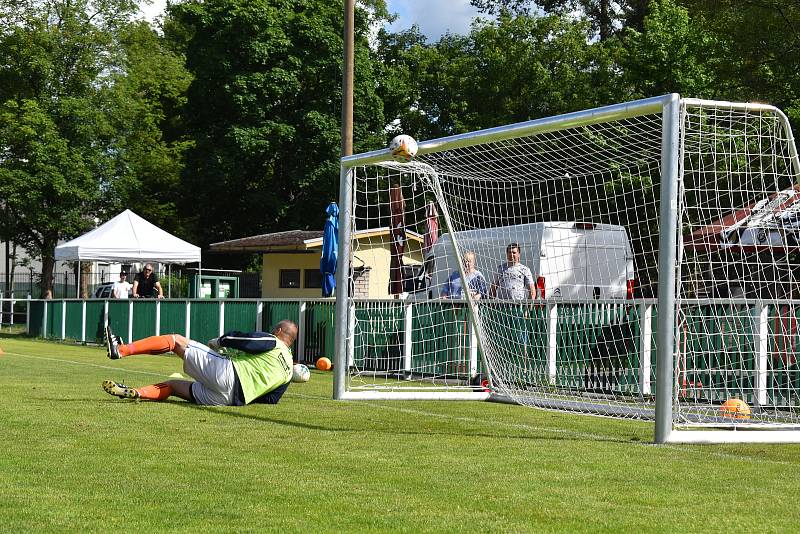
<point x="290" y="261"/>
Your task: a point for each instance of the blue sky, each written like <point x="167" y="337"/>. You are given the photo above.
<point x="434" y="17"/>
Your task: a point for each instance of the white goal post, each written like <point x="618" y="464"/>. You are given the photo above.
<point x="640" y="260"/>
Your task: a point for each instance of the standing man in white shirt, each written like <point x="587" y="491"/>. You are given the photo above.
<point x="122" y="287"/>
<point x="513" y="280"/>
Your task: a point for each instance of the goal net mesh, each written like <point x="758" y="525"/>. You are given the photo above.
<point x="738" y="269"/>
<point x="527" y="266"/>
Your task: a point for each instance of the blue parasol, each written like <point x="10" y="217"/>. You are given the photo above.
<point x="330" y="250"/>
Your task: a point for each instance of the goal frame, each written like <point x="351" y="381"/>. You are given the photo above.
<point x="669" y="106"/>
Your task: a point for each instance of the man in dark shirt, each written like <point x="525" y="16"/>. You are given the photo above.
<point x="146" y="284"/>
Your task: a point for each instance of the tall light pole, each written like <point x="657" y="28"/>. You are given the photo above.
<point x="347" y="78"/>
<point x="344" y="207"/>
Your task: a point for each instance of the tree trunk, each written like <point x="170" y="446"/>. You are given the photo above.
<point x="48" y="262"/>
<point x="605" y="20"/>
<point x="637" y="11"/>
<point x="86" y="270"/>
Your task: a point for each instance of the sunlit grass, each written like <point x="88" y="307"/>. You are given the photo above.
<point x="75" y="459"/>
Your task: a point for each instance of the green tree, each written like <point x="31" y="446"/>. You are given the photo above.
<point x="85" y="95"/>
<point x="606" y="17"/>
<point x="762" y="39"/>
<point x="55" y="85"/>
<point x="675" y="53"/>
<point x="264" y="111"/>
<point x="149" y="91"/>
<point x="420" y="83"/>
<point x="531" y="67"/>
<point x="508" y="70"/>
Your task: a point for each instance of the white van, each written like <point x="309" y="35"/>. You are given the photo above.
<point x="569" y="260"/>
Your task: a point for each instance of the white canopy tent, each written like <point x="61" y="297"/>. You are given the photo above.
<point x="128" y="238"/>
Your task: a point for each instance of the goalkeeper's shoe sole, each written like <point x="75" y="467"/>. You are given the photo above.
<point x="119" y="390"/>
<point x="112" y="344"/>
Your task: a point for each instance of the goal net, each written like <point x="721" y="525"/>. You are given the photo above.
<point x="546" y="263"/>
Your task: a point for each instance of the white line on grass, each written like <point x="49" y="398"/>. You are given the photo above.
<point x="112" y="368"/>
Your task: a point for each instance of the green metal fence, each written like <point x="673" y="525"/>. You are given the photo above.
<point x="724" y="348"/>
<point x="740" y="349"/>
<point x="201" y="319"/>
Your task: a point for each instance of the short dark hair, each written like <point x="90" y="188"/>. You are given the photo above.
<point x="123" y="273"/>
<point x="286" y="326"/>
<point x="512" y="246"/>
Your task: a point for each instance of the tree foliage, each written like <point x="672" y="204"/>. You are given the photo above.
<point x="264" y="110"/>
<point x="149" y="95"/>
<point x="762" y="55"/>
<point x="511" y="69"/>
<point x="674" y="53"/>
<point x="56" y="106"/>
<point x="85" y="94"/>
<point x="606" y="17"/>
<point x="227" y="124"/>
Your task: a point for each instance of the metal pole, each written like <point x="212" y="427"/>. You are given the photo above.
<point x="347" y="78"/>
<point x="301" y="334"/>
<point x="667" y="253"/>
<point x="345" y="200"/>
<point x="342" y="283"/>
<point x="8" y="283"/>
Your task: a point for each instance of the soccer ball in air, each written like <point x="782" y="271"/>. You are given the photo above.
<point x="403" y="148"/>
<point x="735" y="408"/>
<point x="300" y="373"/>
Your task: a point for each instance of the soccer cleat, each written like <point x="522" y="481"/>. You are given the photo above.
<point x="113" y="342"/>
<point x="120" y="390"/>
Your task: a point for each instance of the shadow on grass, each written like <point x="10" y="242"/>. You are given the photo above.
<point x="537" y="434"/>
<point x="547" y="436"/>
<point x="13" y="333"/>
<point x="238" y="414"/>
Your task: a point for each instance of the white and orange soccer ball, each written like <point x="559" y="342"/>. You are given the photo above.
<point x="403" y="148"/>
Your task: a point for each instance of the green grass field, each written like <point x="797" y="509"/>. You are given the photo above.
<point x="73" y="459"/>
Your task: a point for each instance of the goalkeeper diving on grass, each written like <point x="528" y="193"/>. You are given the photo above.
<point x="258" y="368"/>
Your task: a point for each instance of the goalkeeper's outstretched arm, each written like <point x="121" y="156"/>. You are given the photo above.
<point x="249" y="342"/>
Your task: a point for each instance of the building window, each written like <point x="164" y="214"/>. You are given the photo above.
<point x="312" y="279"/>
<point x="289" y="278"/>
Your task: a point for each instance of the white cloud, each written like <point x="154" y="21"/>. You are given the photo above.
<point x="152" y="11"/>
<point x="434" y="17"/>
